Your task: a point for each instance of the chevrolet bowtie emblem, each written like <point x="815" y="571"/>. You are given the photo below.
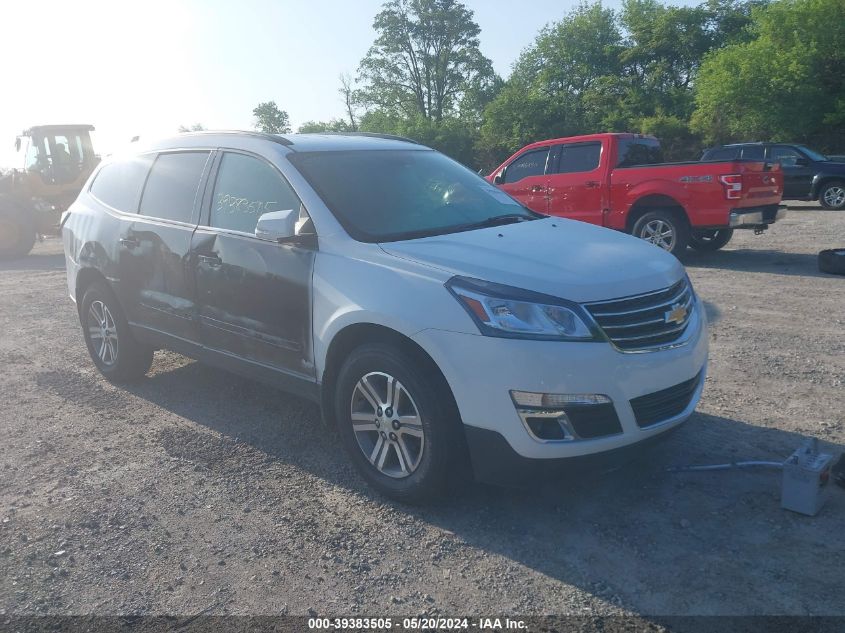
<point x="676" y="315"/>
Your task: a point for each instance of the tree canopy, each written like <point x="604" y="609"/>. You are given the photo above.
<point x="270" y="119"/>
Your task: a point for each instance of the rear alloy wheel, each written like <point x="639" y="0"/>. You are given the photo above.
<point x="832" y="196"/>
<point x="398" y="422"/>
<point x="115" y="352"/>
<point x="710" y="239"/>
<point x="664" y="229"/>
<point x="17" y="233"/>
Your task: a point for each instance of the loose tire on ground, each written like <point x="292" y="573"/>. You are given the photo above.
<point x="832" y="195"/>
<point x="832" y="261"/>
<point x="115" y="352"/>
<point x="17" y="232"/>
<point x="380" y="439"/>
<point x="664" y="228"/>
<point x="710" y="239"/>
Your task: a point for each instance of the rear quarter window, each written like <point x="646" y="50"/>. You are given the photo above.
<point x="119" y="184"/>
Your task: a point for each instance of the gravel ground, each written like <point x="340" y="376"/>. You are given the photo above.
<point x="195" y="490"/>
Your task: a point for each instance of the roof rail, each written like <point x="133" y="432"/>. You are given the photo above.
<point x="276" y="138"/>
<point x="391" y="137"/>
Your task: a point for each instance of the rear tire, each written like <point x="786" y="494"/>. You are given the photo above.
<point x="17" y="233"/>
<point x="832" y="195"/>
<point x="409" y="453"/>
<point x="710" y="239"/>
<point x="115" y="352"/>
<point x="664" y="228"/>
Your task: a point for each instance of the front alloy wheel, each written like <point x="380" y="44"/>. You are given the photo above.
<point x="387" y="425"/>
<point x="398" y="422"/>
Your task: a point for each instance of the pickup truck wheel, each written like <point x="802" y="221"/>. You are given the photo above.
<point x="832" y="261"/>
<point x="832" y="195"/>
<point x="397" y="423"/>
<point x="17" y="233"/>
<point x="710" y="239"/>
<point x="664" y="229"/>
<point x="115" y="352"/>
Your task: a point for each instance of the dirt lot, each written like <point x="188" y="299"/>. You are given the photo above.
<point x="196" y="490"/>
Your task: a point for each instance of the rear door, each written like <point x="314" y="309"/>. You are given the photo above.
<point x="575" y="183"/>
<point x="525" y="179"/>
<point x="254" y="295"/>
<point x="797" y="177"/>
<point x="156" y="278"/>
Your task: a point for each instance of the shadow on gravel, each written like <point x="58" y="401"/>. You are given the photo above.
<point x="757" y="261"/>
<point x="35" y="262"/>
<point x="624" y="536"/>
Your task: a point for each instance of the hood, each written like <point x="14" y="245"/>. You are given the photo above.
<point x="564" y="258"/>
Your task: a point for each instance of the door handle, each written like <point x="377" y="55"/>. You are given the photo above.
<point x="130" y="242"/>
<point x="212" y="261"/>
<point x="537" y="188"/>
<point x="591" y="184"/>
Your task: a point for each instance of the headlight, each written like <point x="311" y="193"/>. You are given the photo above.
<point x="513" y="313"/>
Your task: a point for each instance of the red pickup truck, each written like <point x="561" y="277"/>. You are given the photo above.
<point x="619" y="181"/>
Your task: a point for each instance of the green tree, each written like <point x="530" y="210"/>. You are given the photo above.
<point x="335" y="125"/>
<point x="270" y="119"/>
<point x="787" y="83"/>
<point x="425" y="59"/>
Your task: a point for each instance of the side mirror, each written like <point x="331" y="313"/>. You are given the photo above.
<point x="277" y="226"/>
<point x="801" y="162"/>
<point x="499" y="179"/>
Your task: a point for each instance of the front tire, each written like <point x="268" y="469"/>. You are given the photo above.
<point x="398" y="423"/>
<point x="710" y="239"/>
<point x="665" y="229"/>
<point x="832" y="195"/>
<point x="17" y="233"/>
<point x="115" y="352"/>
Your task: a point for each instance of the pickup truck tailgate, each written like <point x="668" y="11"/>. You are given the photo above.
<point x="762" y="183"/>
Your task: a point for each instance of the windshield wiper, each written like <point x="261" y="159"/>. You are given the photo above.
<point x="499" y="220"/>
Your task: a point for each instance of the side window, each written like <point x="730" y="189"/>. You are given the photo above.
<point x="246" y="188"/>
<point x="787" y="156"/>
<point x="753" y="152"/>
<point x="172" y="185"/>
<point x="579" y="157"/>
<point x="531" y="163"/>
<point x="119" y="184"/>
<point x="724" y="153"/>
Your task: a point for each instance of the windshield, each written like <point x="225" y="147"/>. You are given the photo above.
<point x="813" y="155"/>
<point x="388" y="195"/>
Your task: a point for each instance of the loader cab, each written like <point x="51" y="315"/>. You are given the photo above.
<point x="56" y="156"/>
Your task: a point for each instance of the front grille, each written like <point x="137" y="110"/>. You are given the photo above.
<point x="640" y="321"/>
<point x="656" y="407"/>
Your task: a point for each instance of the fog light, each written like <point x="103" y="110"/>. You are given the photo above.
<point x="528" y="399"/>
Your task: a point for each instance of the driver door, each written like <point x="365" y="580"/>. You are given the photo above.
<point x="253" y="295"/>
<point x="525" y="179"/>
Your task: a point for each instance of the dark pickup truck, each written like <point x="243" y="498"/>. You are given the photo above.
<point x="807" y="175"/>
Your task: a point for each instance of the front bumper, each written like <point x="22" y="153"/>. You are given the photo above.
<point x="482" y="371"/>
<point x="754" y="217"/>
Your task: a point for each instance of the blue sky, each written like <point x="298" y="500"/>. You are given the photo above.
<point x="146" y="67"/>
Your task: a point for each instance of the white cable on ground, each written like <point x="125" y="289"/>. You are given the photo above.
<point x="679" y="469"/>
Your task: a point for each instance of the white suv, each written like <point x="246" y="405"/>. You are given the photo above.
<point x="435" y="319"/>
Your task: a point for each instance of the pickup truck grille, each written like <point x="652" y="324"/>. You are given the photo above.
<point x="646" y="321"/>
